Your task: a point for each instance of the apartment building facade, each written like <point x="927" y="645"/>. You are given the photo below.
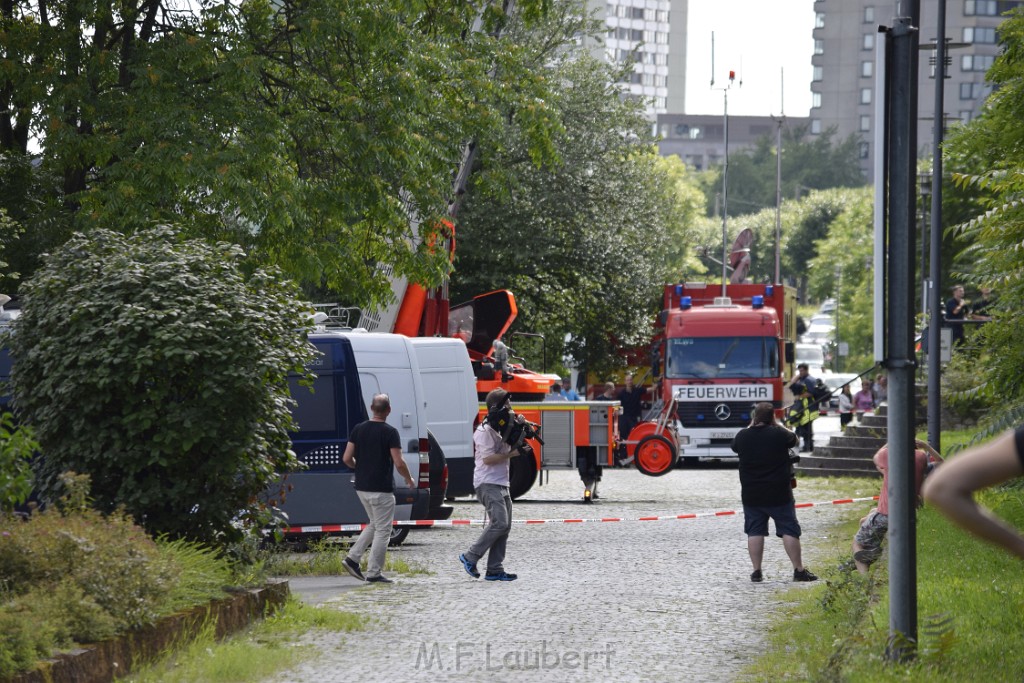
<point x="847" y="39"/>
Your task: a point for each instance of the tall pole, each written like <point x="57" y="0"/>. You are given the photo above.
<point x="900" y="332"/>
<point x="778" y="179"/>
<point x="725" y="191"/>
<point x="935" y="239"/>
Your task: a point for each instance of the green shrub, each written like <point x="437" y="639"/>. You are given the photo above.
<point x="16" y="449"/>
<point x="24" y="639"/>
<point x="73" y="575"/>
<point x="155" y="365"/>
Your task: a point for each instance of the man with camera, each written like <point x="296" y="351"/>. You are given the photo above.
<point x="498" y="439"/>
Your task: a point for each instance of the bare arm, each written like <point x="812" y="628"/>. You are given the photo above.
<point x="350" y="455"/>
<point x="403" y="469"/>
<point x="951" y="487"/>
<point x="496" y="458"/>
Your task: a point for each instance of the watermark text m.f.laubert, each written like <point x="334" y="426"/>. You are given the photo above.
<point x="466" y="655"/>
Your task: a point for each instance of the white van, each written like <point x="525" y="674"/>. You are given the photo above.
<point x="352" y="367"/>
<point x="450" y="389"/>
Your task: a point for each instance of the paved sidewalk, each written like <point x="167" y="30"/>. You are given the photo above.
<point x="626" y="601"/>
<point x="321" y="590"/>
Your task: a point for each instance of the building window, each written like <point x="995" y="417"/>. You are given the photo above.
<point x="819" y="47"/>
<point x="868" y="42"/>
<point x="965" y="116"/>
<point x="865" y="124"/>
<point x="815" y="126"/>
<point x="819" y="20"/>
<point x="817" y="73"/>
<point x="636" y="12"/>
<point x="980" y="34"/>
<point x="864" y="151"/>
<point x="865" y="95"/>
<point x="976" y="62"/>
<point x="981" y="8"/>
<point x="661" y="37"/>
<point x="866" y="69"/>
<point x="869" y="14"/>
<point x="696" y="133"/>
<point x="974" y="91"/>
<point x="815" y="100"/>
<point x="661" y="59"/>
<point x="661" y="102"/>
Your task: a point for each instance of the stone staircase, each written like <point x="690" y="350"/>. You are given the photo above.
<point x="849" y="454"/>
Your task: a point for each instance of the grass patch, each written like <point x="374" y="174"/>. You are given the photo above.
<point x="325" y="557"/>
<point x="254" y="654"/>
<point x="969" y="616"/>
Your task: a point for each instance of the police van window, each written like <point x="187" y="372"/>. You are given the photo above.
<point x="314" y="414"/>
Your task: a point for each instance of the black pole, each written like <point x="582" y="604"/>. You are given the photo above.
<point x="935" y="241"/>
<point x="900" y="332"/>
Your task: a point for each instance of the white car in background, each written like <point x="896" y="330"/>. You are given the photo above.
<point x="818" y="334"/>
<point x="814" y="356"/>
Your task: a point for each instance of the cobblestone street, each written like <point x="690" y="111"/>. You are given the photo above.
<point x="624" y="601"/>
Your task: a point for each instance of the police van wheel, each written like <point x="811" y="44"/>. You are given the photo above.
<point x="398" y="534"/>
<point x="655" y="455"/>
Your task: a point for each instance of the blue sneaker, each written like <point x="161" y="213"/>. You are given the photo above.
<point x="504" y="576"/>
<point x="470" y="567"/>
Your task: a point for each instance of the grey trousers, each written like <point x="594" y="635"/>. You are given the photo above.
<point x="380" y="508"/>
<point x="498" y="505"/>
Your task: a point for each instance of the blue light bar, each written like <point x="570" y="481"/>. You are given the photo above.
<point x="685" y="302"/>
<point x="757" y="301"/>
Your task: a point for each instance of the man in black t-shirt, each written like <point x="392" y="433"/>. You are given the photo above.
<point x="767" y="489"/>
<point x="373" y="449"/>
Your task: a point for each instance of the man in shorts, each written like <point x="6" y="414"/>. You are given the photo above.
<point x="867" y="542"/>
<point x="766" y="489"/>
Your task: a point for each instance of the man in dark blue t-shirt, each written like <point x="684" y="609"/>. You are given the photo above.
<point x="373" y="449"/>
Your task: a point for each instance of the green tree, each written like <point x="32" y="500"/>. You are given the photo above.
<point x="152" y="364"/>
<point x="990" y="154"/>
<point x="586" y="243"/>
<point x="816" y="162"/>
<point x="306" y="132"/>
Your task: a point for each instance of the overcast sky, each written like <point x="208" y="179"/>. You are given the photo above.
<point x="757" y="39"/>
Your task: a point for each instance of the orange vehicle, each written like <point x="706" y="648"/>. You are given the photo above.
<point x="568" y="429"/>
<point x="717" y="352"/>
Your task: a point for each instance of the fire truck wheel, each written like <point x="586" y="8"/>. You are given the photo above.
<point x="522" y="475"/>
<point x="655" y="455"/>
<point x="398" y="534"/>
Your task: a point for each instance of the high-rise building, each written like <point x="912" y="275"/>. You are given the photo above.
<point x="639" y="32"/>
<point x="846" y="38"/>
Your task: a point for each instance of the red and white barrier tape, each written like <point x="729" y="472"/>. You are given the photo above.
<point x="331" y="528"/>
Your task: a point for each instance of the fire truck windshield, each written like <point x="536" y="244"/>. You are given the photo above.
<point x="719" y="357"/>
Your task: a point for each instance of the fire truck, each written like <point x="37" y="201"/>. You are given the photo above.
<point x="717" y="351"/>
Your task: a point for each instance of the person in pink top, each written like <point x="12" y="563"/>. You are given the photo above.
<point x="867" y="542"/>
<point x="863" y="400"/>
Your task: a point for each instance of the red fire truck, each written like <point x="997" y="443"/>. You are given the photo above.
<point x="716" y="353"/>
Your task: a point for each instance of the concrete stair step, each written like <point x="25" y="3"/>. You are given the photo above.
<point x="850" y="452"/>
<point x="809" y="462"/>
<point x="870" y="432"/>
<point x="875" y="421"/>
<point x="857" y="441"/>
<point x="829" y="472"/>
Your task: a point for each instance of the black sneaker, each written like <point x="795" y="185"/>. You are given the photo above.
<point x="353" y="568"/>
<point x="803" y="575"/>
<point x="503" y="576"/>
<point x="756" y="576"/>
<point x="380" y="578"/>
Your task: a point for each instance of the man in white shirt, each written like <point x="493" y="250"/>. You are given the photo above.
<point x="490" y="480"/>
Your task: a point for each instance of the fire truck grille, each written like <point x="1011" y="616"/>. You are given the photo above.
<point x="709" y="415"/>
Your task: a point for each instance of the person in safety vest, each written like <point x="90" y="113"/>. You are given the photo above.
<point x="800" y="415"/>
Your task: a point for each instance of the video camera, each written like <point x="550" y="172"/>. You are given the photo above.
<point x="519" y="429"/>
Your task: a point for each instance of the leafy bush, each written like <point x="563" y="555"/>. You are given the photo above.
<point x="16" y="448"/>
<point x="157" y="367"/>
<point x="71" y="575"/>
